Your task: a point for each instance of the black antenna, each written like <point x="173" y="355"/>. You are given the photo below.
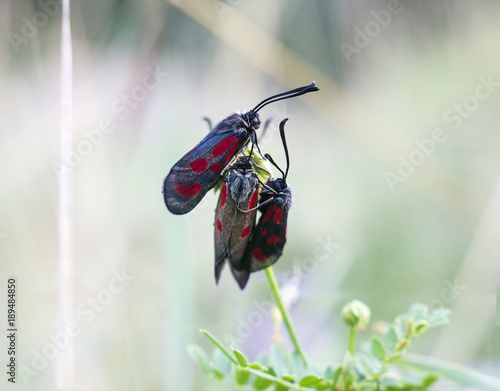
<point x="209" y="122"/>
<point x="254" y="141"/>
<point x="285" y="95"/>
<point x="283" y="140"/>
<point x="268" y="157"/>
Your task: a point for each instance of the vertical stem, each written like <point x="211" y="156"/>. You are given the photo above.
<point x="273" y="284"/>
<point x="352" y="340"/>
<point x="64" y="365"/>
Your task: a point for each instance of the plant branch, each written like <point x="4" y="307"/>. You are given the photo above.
<point x="64" y="364"/>
<point x="352" y="339"/>
<point x="276" y="380"/>
<point x="273" y="284"/>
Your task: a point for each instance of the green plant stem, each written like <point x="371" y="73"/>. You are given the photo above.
<point x="276" y="380"/>
<point x="273" y="284"/>
<point x="352" y="340"/>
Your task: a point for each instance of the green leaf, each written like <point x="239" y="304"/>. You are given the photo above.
<point x="278" y="361"/>
<point x="263" y="359"/>
<point x="218" y="375"/>
<point x="401" y="326"/>
<point x="199" y="355"/>
<point x="281" y="387"/>
<point x="394" y="357"/>
<point x="368" y="366"/>
<point x="296" y="365"/>
<point x="460" y="374"/>
<point x="439" y="316"/>
<point x="217" y="343"/>
<point x="324" y="385"/>
<point x="241" y="358"/>
<point x="419" y="327"/>
<point x="310" y="380"/>
<point x="392" y="383"/>
<point x="429" y="380"/>
<point x="221" y="365"/>
<point x="261" y="383"/>
<point x="314" y="369"/>
<point x="336" y="376"/>
<point x="328" y="374"/>
<point x="241" y="377"/>
<point x="378" y="349"/>
<point x="403" y="344"/>
<point x="418" y="311"/>
<point x="391" y="338"/>
<point x="257" y="366"/>
<point x="288" y="378"/>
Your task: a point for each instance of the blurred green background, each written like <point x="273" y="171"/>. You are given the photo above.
<point x="405" y="223"/>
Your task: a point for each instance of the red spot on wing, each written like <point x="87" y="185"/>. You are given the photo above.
<point x="257" y="254"/>
<point x="216" y="168"/>
<point x="223" y="195"/>
<point x="245" y="231"/>
<point x="230" y="154"/>
<point x="223" y="145"/>
<point x="269" y="212"/>
<point x="253" y="200"/>
<point x="199" y="165"/>
<point x="264" y="232"/>
<point x="218" y="224"/>
<point x="187" y="191"/>
<point x="273" y="239"/>
<point x="278" y="215"/>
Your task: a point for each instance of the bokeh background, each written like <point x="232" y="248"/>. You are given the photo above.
<point x="403" y="226"/>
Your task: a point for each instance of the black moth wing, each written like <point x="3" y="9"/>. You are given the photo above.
<point x="269" y="236"/>
<point x="233" y="222"/>
<point x="200" y="169"/>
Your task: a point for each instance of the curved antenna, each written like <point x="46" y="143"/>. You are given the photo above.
<point x="268" y="157"/>
<point x="283" y="140"/>
<point x="285" y="95"/>
<point x="209" y="122"/>
<point x="254" y="142"/>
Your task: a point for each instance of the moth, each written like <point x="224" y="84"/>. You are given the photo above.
<point x="201" y="168"/>
<point x="269" y="235"/>
<point x="235" y="219"/>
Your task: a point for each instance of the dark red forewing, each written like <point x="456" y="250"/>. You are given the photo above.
<point x="269" y="237"/>
<point x="233" y="226"/>
<point x="200" y="169"/>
